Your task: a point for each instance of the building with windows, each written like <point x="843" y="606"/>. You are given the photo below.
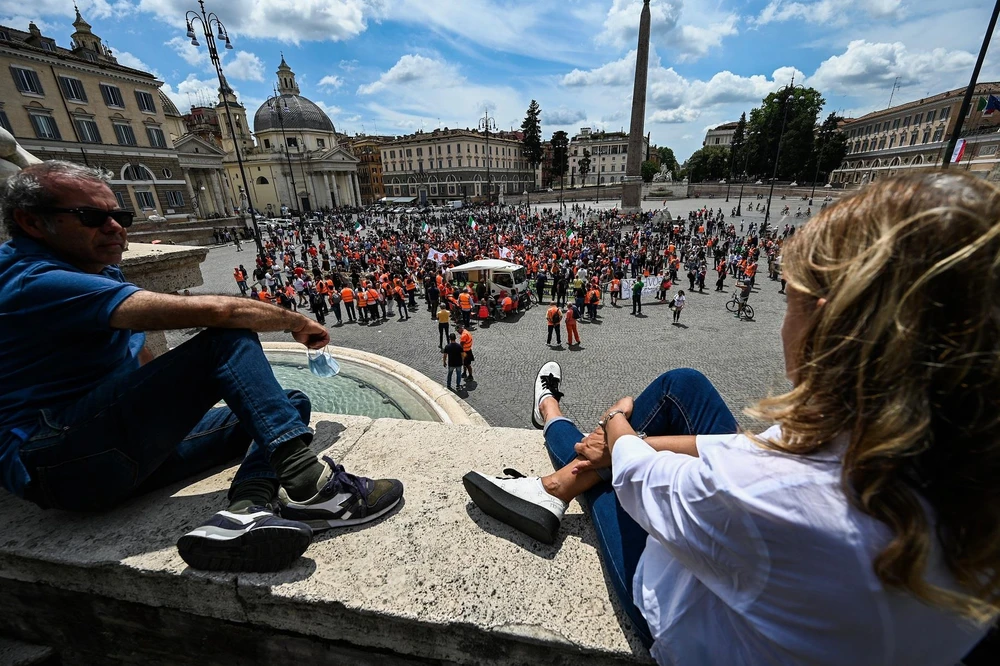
<point x="448" y="164"/>
<point x="608" y="156"/>
<point x="913" y="137"/>
<point x="368" y="150"/>
<point x="79" y="104"/>
<point x="721" y="135"/>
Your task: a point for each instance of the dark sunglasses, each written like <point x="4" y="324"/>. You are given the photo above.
<point x="95" y="217"/>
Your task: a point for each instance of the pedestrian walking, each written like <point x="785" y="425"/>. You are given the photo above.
<point x="637" y="296"/>
<point x="572" y="332"/>
<point x="347" y="296"/>
<point x="616" y="291"/>
<point x="444" y="318"/>
<point x="241" y="281"/>
<point x="677" y="304"/>
<point x="451" y="358"/>
<point x="553" y="317"/>
<point x="335" y="299"/>
<point x="465" y="338"/>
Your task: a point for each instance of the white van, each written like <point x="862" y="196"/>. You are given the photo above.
<point x="499" y="275"/>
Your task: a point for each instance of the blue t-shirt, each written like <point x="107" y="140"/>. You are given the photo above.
<point x="56" y="342"/>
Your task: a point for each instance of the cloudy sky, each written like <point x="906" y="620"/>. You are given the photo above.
<point x="395" y="66"/>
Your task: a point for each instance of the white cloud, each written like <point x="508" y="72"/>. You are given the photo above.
<point x="876" y="65"/>
<point x="835" y="12"/>
<point x="245" y="66"/>
<point x="412" y="68"/>
<point x="621" y="25"/>
<point x="331" y="81"/>
<point x="695" y="42"/>
<point x="348" y="65"/>
<point x="191" y="54"/>
<point x="127" y="59"/>
<point x="193" y="91"/>
<point x="562" y="116"/>
<point x="675" y="116"/>
<point x="615" y="73"/>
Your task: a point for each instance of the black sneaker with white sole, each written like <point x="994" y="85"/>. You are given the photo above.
<point x="254" y="539"/>
<point x="519" y="501"/>
<point x="546" y="384"/>
<point x="343" y="499"/>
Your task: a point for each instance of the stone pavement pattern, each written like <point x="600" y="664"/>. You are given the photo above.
<point x="618" y="356"/>
<point x="435" y="580"/>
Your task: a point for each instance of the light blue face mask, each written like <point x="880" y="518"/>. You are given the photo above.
<point x="321" y="363"/>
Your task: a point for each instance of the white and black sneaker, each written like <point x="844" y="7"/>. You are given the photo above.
<point x="546" y="384"/>
<point x="343" y="499"/>
<point x="519" y="501"/>
<point x="254" y="539"/>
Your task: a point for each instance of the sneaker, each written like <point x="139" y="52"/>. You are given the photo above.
<point x="519" y="501"/>
<point x="343" y="499"/>
<point x="546" y="384"/>
<point x="254" y="539"/>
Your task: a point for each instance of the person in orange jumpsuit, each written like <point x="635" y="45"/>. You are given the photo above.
<point x="571" y="329"/>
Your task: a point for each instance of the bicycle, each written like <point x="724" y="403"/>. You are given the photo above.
<point x="733" y="305"/>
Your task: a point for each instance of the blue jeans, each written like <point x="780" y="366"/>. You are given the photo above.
<point x="156" y="425"/>
<point x="678" y="402"/>
<point x="457" y="371"/>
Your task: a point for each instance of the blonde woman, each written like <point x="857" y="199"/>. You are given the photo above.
<point x="864" y="526"/>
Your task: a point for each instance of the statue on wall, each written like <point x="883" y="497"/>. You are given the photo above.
<point x="665" y="175"/>
<point x="12" y="156"/>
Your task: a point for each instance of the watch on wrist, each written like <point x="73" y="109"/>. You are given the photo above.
<point x="641" y="434"/>
<point x="604" y="422"/>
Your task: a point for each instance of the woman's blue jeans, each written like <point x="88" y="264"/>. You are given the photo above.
<point x="678" y="402"/>
<point x="156" y="425"/>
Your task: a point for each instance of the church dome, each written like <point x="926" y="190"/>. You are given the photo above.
<point x="298" y="113"/>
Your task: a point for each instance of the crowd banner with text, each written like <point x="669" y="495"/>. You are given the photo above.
<point x="650" y="286"/>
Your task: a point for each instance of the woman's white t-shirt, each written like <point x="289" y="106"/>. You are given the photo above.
<point x="756" y="557"/>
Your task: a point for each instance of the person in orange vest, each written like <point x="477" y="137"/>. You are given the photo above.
<point x="241" y="281"/>
<point x="553" y="318"/>
<point x="593" y="298"/>
<point x="363" y="305"/>
<point x="347" y="295"/>
<point x="411" y="292"/>
<point x="468" y="357"/>
<point x="373" y="304"/>
<point x="571" y="329"/>
<point x="616" y="291"/>
<point x="399" y="297"/>
<point x="465" y="302"/>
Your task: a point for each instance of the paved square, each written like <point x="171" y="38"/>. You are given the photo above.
<point x="618" y="356"/>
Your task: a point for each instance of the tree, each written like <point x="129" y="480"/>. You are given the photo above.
<point x="649" y="170"/>
<point x="560" y="153"/>
<point x="802" y="106"/>
<point x="584" y="165"/>
<point x="738" y="146"/>
<point x="831" y="147"/>
<point x="667" y="158"/>
<point x="709" y="163"/>
<point x="532" y="129"/>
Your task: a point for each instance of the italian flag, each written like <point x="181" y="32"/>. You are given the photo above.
<point x="570" y="234"/>
<point x="472" y="223"/>
<point x="426" y="228"/>
<point x="357" y="226"/>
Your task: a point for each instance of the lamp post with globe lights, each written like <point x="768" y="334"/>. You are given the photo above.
<point x="208" y="22"/>
<point x="781" y="136"/>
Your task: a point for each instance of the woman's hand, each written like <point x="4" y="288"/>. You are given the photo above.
<point x="594" y="448"/>
<point x="625" y="404"/>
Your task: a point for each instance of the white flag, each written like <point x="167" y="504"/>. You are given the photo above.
<point x="506" y="253"/>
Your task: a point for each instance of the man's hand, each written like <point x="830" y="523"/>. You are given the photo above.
<point x="626" y="404"/>
<point x="594" y="448"/>
<point x="312" y="335"/>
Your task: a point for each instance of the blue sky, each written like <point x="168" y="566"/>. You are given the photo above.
<point x="395" y="66"/>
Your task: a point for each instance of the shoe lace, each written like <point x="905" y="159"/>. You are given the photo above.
<point x="551" y="384"/>
<point x="342" y="480"/>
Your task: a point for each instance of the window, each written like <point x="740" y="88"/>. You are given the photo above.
<point x="913" y="139"/>
<point x="420" y="152"/>
<point x="877" y="127"/>
<point x="175" y="199"/>
<point x="930" y="116"/>
<point x="146" y="200"/>
<point x="87" y="129"/>
<point x="321" y="143"/>
<point x="292" y="142"/>
<point x="27" y="81"/>
<point x="156" y="138"/>
<point x="45" y="126"/>
<point x="895" y="124"/>
<point x="449" y="162"/>
<point x="458" y="147"/>
<point x="917" y="118"/>
<point x="5" y="122"/>
<point x="868" y="130"/>
<point x="73" y="89"/>
<point x="145" y="101"/>
<point x="439" y="150"/>
<point x="137" y="172"/>
<point x="945" y="112"/>
<point x="48" y="46"/>
<point x="927" y="136"/>
<point x="125" y="135"/>
<point x="892" y="140"/>
<point x="938" y="135"/>
<point x="261" y="180"/>
<point x="906" y="121"/>
<point x="881" y="144"/>
<point x="122" y="203"/>
<point x="988" y="150"/>
<point x="459" y="161"/>
<point x="267" y="143"/>
<point x="112" y="96"/>
<point x="392" y="154"/>
<point x="440" y="164"/>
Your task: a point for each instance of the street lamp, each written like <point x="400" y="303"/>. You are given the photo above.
<point x="486" y="124"/>
<point x="207" y="23"/>
<point x="599" y="165"/>
<point x="816" y="176"/>
<point x="278" y="106"/>
<point x="781" y="136"/>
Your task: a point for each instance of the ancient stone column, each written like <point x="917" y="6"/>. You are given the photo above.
<point x="632" y="183"/>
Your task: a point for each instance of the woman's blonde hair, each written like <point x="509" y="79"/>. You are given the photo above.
<point x="905" y="356"/>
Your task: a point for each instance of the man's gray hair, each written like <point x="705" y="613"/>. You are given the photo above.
<point x="32" y="188"/>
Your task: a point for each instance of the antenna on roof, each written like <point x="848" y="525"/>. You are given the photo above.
<point x="895" y="87"/>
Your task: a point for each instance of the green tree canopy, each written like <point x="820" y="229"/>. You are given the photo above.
<point x="532" y="129"/>
<point x="649" y="169"/>
<point x="798" y="110"/>
<point x="709" y="163"/>
<point x="560" y="153"/>
<point x="831" y="147"/>
<point x="737" y="147"/>
<point x="667" y="158"/>
<point x="584" y="165"/>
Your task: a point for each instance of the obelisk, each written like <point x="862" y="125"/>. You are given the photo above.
<point x="632" y="183"/>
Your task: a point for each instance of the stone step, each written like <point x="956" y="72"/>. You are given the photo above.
<point x="434" y="582"/>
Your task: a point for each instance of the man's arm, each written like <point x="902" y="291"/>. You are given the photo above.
<point x="151" y="311"/>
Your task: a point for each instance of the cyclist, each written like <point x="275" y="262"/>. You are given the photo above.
<point x="744" y="295"/>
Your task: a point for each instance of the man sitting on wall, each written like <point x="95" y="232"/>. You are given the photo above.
<point x="88" y="418"/>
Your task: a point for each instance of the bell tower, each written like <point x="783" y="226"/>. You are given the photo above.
<point x="286" y="79"/>
<point x="241" y="133"/>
